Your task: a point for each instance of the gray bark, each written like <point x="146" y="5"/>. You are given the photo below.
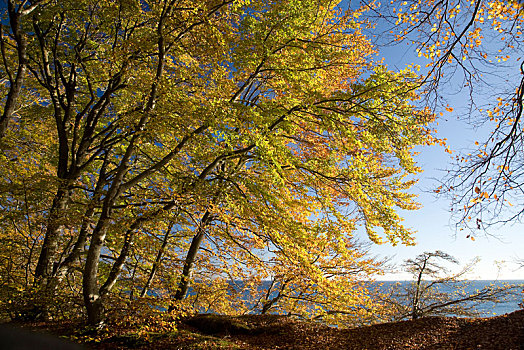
<point x="44" y="267"/>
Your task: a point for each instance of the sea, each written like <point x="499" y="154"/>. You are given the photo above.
<point x="509" y="304"/>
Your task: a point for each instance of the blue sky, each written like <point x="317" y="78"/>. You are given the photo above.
<point x="436" y="231"/>
<point x="501" y="248"/>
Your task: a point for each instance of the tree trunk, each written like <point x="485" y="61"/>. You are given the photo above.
<point x="91" y="293"/>
<point x="416" y="297"/>
<point x="157" y="262"/>
<point x="95" y="310"/>
<point x="185" y="279"/>
<point x="272" y="301"/>
<point x="15" y="87"/>
<point x="46" y="260"/>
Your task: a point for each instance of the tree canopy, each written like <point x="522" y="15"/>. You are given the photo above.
<point x="222" y="155"/>
<point x="150" y="144"/>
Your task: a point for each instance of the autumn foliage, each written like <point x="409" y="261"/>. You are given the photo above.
<point x="472" y="48"/>
<point x="185" y="151"/>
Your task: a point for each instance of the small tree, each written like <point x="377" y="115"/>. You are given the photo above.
<point x="436" y="291"/>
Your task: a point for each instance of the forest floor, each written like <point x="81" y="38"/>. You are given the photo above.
<point x="282" y="332"/>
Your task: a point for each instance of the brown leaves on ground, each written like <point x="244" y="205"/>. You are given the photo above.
<point x="501" y="332"/>
<point x="281" y="332"/>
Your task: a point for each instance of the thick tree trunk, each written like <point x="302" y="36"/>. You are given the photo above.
<point x="95" y="311"/>
<point x="65" y="266"/>
<point x="91" y="293"/>
<point x="12" y="98"/>
<point x="46" y="261"/>
<point x="45" y="279"/>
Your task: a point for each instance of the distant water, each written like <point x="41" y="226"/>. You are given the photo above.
<point x="486" y="309"/>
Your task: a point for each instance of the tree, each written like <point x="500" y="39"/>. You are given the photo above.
<point x="474" y="46"/>
<point x="435" y="291"/>
<point x="220" y="140"/>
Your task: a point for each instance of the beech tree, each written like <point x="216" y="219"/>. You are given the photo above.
<point x="154" y="144"/>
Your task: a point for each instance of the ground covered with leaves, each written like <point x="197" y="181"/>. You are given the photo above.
<point x="282" y="332"/>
